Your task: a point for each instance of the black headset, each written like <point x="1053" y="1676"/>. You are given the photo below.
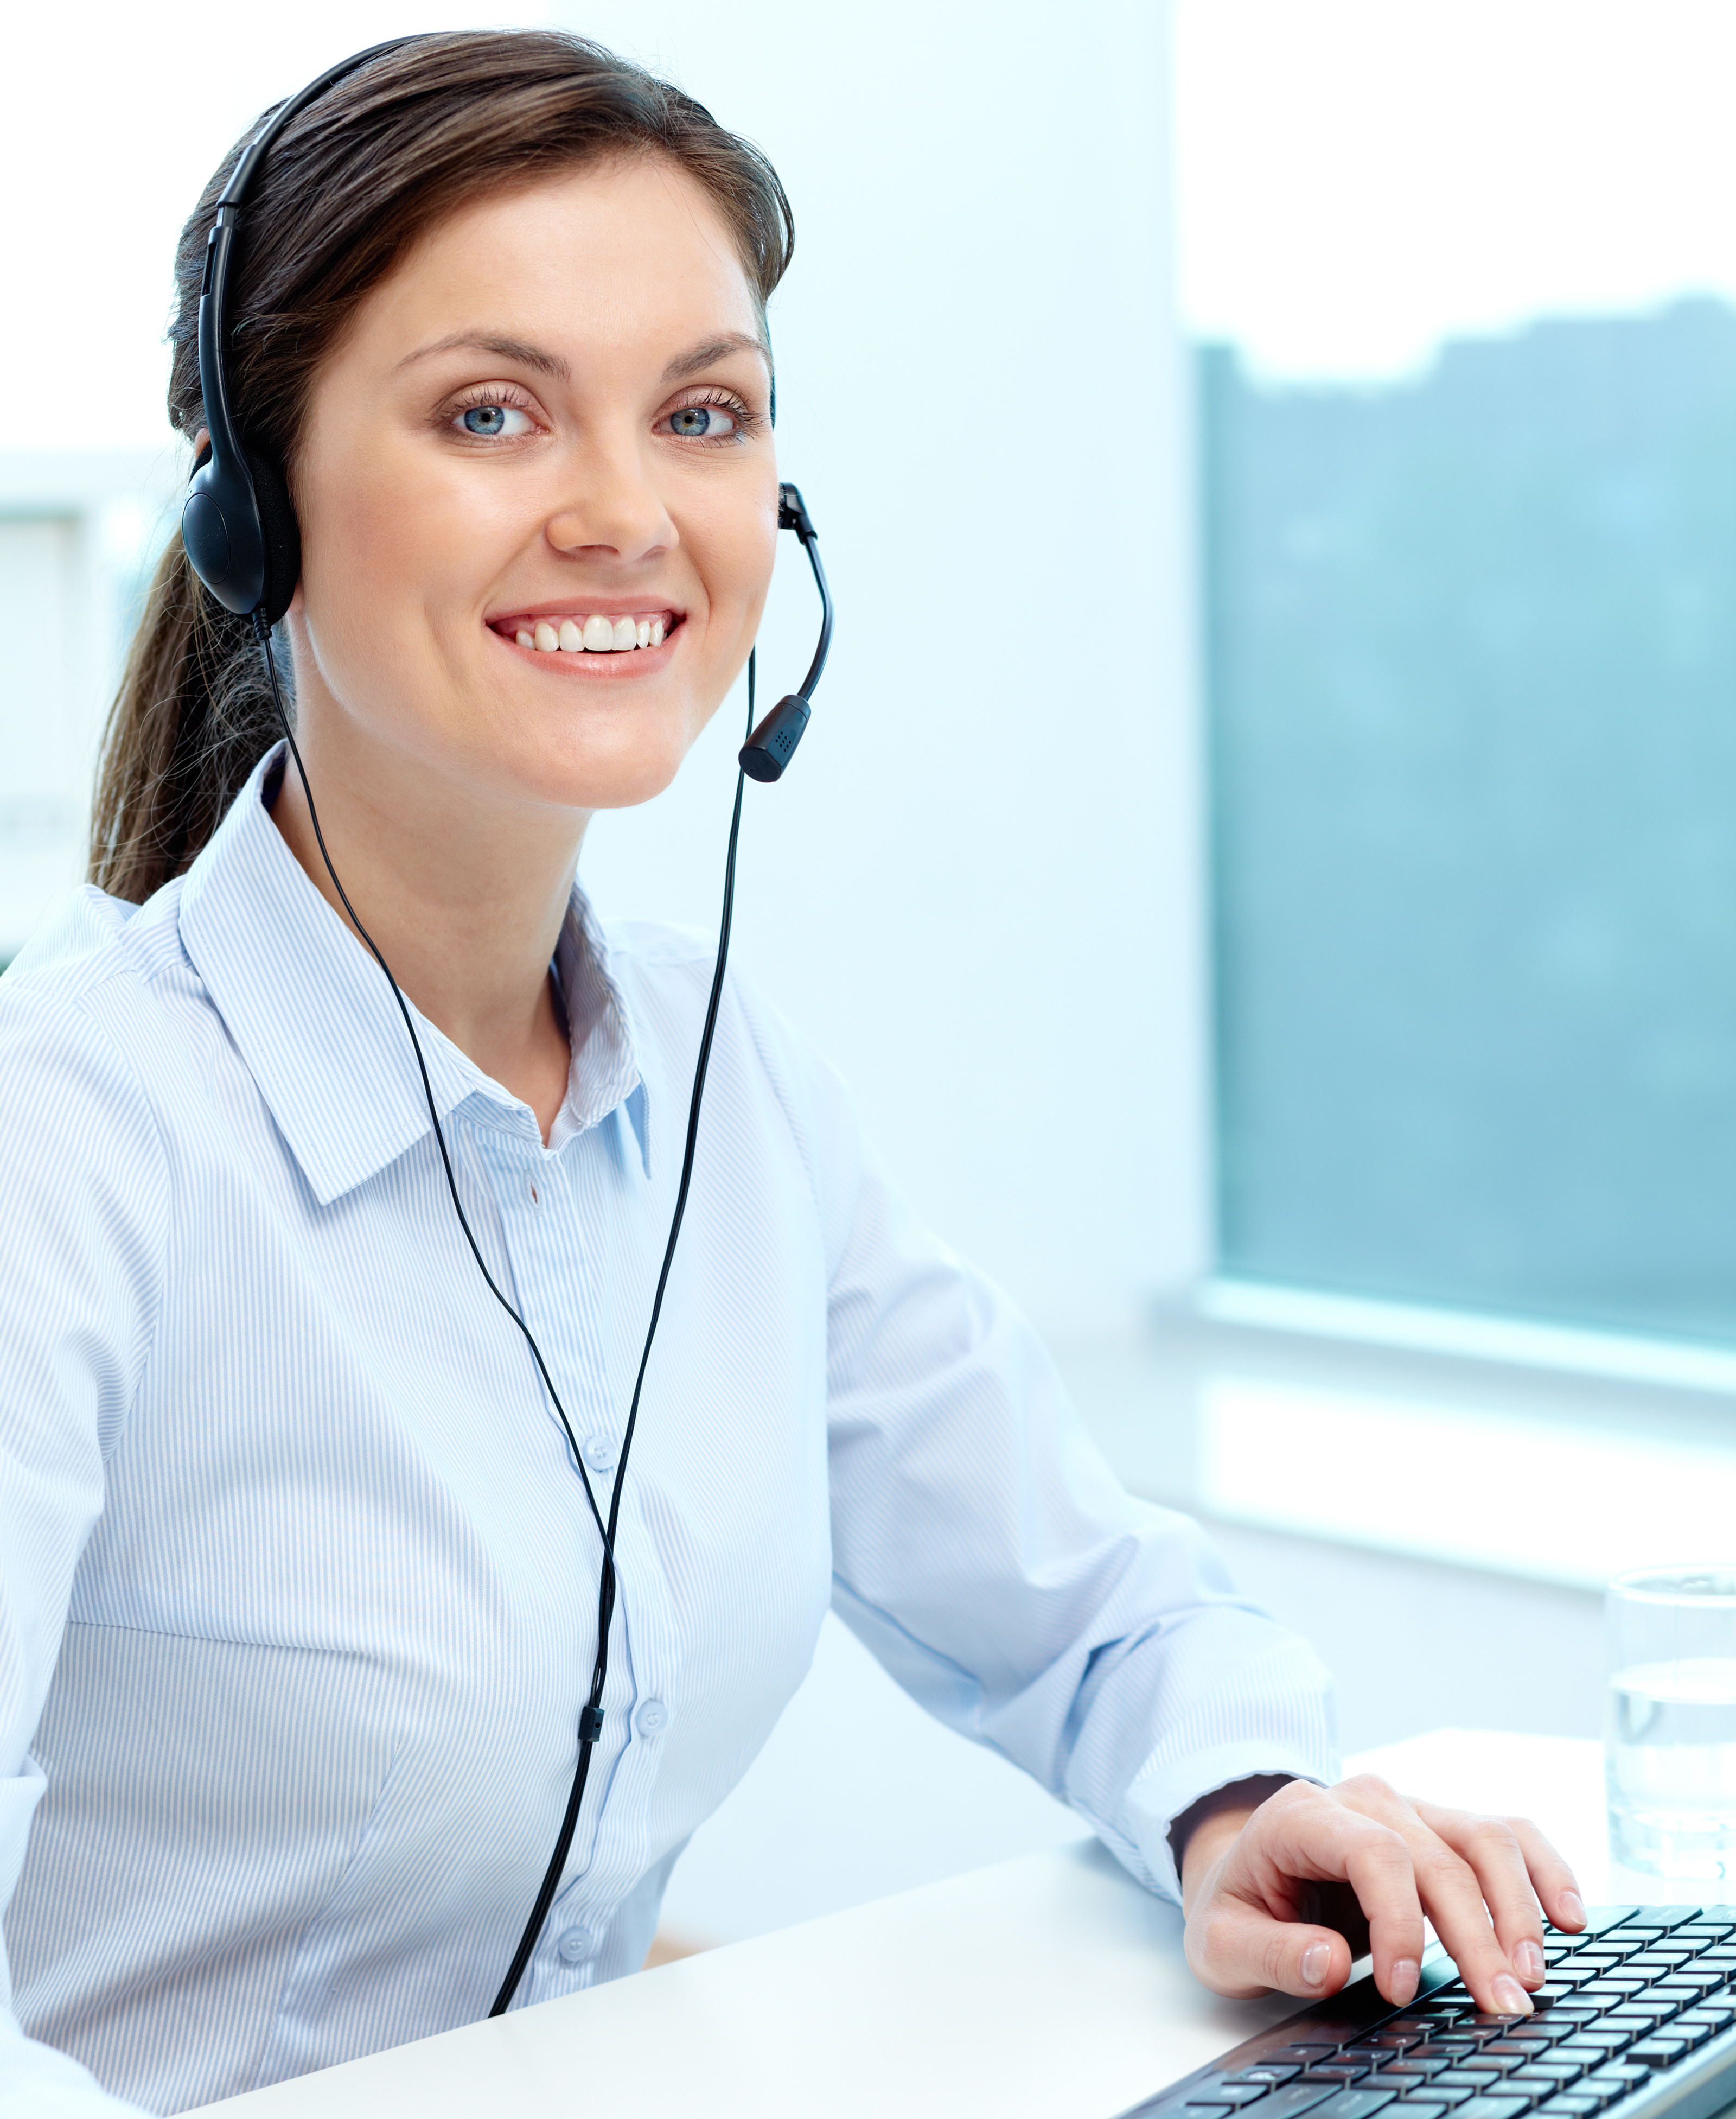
<point x="242" y="539"/>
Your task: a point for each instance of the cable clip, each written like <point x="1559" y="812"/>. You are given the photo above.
<point x="590" y="1725"/>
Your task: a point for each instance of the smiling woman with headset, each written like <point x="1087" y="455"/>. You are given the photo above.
<point x="450" y="1357"/>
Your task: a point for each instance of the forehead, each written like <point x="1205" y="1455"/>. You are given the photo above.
<point x="628" y="257"/>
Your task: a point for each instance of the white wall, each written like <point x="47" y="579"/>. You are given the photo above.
<point x="976" y="888"/>
<point x="76" y="527"/>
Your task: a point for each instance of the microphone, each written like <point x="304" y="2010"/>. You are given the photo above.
<point x="773" y="743"/>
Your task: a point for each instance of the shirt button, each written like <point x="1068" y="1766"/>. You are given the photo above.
<point x="574" y="1945"/>
<point x="652" y="1717"/>
<point x="598" y="1452"/>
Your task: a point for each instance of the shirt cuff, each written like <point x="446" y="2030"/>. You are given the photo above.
<point x="1167" y="1786"/>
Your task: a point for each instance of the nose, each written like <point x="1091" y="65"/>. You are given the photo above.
<point x="612" y="505"/>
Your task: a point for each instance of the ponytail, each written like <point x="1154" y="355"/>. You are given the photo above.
<point x="192" y="718"/>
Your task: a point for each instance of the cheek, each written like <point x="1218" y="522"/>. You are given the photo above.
<point x="382" y="548"/>
<point x="735" y="559"/>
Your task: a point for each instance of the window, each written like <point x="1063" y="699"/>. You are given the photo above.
<point x="1466" y="398"/>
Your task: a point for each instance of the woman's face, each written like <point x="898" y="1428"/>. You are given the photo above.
<point x="550" y="425"/>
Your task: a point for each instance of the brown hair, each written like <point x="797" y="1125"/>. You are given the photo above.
<point x="357" y="177"/>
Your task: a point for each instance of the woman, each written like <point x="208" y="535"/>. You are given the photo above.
<point x="301" y="1551"/>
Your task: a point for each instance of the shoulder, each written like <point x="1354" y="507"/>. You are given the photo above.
<point x="760" y="1058"/>
<point x="671" y="968"/>
<point x="78" y="1007"/>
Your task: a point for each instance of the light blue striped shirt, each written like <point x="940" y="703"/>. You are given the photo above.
<point x="297" y="1579"/>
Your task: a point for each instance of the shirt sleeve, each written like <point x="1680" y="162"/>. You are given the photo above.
<point x="85" y="1184"/>
<point x="986" y="1554"/>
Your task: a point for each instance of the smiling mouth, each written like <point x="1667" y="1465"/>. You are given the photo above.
<point x="598" y="634"/>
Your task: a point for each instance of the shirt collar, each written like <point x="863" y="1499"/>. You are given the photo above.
<point x="311" y="1013"/>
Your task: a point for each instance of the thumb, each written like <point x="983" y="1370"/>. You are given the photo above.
<point x="1241" y="1950"/>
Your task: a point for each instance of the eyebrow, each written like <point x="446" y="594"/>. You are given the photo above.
<point x="713" y="350"/>
<point x="509" y="349"/>
<point x="551" y="364"/>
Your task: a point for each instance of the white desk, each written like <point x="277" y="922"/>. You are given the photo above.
<point x="1051" y="1987"/>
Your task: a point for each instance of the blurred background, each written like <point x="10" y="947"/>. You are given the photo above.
<point x="1264" y="854"/>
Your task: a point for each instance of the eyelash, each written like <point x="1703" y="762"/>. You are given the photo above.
<point x="726" y="400"/>
<point x="488" y="393"/>
<point x="508" y="394"/>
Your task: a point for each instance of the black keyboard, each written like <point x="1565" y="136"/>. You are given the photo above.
<point x="1637" y="2019"/>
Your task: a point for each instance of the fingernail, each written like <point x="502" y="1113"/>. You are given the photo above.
<point x="1572" y="1909"/>
<point x="1402" y="1987"/>
<point x="1317" y="1961"/>
<point x="1509" y="1997"/>
<point x="1528" y="1961"/>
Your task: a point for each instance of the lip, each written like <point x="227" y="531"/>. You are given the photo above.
<point x="528" y="614"/>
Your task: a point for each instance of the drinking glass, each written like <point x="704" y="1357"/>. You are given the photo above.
<point x="1669" y="1728"/>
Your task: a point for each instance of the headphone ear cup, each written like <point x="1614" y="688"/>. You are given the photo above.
<point x="282" y="535"/>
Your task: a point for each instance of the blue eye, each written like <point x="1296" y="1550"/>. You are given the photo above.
<point x="489" y="422"/>
<point x="697" y="422"/>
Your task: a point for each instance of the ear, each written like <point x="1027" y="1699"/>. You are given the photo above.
<point x="282" y="534"/>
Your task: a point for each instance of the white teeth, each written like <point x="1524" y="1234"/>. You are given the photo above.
<point x="596" y="635"/>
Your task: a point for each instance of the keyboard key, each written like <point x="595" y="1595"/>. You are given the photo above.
<point x="1412" y="2070"/>
<point x="1659" y="2052"/>
<point x="1600" y="1918"/>
<point x="1354" y="2104"/>
<point x="1266" y="2073"/>
<point x="1341" y="2071"/>
<point x="1397" y="2041"/>
<point x="1455" y="2079"/>
<point x="1304" y="2054"/>
<point x="1294" y="2099"/>
<point x="1622" y="2073"/>
<point x="1572" y="2104"/>
<point x="1417" y="2108"/>
<point x="1494" y="2108"/>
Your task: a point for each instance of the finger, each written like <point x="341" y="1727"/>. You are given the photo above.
<point x="1492" y="1848"/>
<point x="1312" y="1834"/>
<point x="1238" y="1949"/>
<point x="1451" y="1891"/>
<point x="1552" y="1879"/>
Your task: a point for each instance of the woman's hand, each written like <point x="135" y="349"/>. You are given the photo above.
<point x="1285" y="1892"/>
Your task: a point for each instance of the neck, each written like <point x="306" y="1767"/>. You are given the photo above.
<point x="465" y="901"/>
